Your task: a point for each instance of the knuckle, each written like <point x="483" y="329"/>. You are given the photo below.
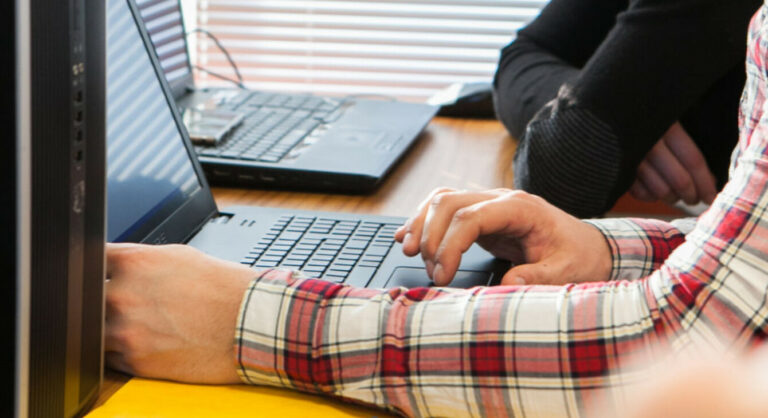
<point x="440" y="190"/>
<point x="523" y="196"/>
<point x="437" y="201"/>
<point x="427" y="247"/>
<point x="463" y="215"/>
<point x="681" y="183"/>
<point x="129" y="341"/>
<point x="119" y="302"/>
<point x="443" y="199"/>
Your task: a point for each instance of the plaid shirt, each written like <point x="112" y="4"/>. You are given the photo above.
<point x="532" y="350"/>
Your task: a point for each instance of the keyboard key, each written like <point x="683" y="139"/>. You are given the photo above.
<point x="353" y="252"/>
<point x="357" y="244"/>
<point x="270" y="258"/>
<point x="339" y="267"/>
<point x="377" y="250"/>
<point x="313" y="271"/>
<point x="334" y="278"/>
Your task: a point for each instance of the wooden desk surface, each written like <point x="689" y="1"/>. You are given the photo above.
<point x="464" y="154"/>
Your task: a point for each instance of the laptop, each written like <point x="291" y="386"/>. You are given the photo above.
<point x="157" y="192"/>
<point x="286" y="141"/>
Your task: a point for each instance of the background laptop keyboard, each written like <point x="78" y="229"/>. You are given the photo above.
<point x="335" y="250"/>
<point x="274" y="123"/>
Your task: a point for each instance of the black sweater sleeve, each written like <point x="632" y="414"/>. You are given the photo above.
<point x="620" y="87"/>
<point x="548" y="53"/>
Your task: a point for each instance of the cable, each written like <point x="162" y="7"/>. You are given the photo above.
<point x="219" y="76"/>
<point x="239" y="82"/>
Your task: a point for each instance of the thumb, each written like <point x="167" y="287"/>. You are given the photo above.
<point x="525" y="274"/>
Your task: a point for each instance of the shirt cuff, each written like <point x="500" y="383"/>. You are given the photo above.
<point x="638" y="246"/>
<point x="257" y="320"/>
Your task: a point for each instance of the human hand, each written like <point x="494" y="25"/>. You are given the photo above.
<point x="674" y="169"/>
<point x="701" y="385"/>
<point x="172" y="312"/>
<point x="547" y="245"/>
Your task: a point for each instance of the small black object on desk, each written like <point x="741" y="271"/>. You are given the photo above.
<point x="466" y="100"/>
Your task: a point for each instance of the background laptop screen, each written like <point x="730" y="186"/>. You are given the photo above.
<point x="149" y="171"/>
<point x="165" y="26"/>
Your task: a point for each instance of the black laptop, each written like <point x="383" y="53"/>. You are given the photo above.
<point x="157" y="192"/>
<point x="287" y="141"/>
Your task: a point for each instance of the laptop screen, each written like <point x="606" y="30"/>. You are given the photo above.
<point x="149" y="170"/>
<point x="165" y="25"/>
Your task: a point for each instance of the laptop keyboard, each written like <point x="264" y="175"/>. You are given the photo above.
<point x="273" y="125"/>
<point x="332" y="249"/>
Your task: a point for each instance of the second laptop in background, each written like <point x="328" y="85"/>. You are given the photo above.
<point x="290" y="141"/>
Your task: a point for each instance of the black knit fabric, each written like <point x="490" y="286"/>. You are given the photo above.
<point x="632" y="69"/>
<point x="581" y="139"/>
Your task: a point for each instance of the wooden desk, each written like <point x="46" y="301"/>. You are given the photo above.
<point x="464" y="154"/>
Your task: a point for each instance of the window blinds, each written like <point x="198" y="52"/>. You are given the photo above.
<point x="163" y="22"/>
<point x="398" y="48"/>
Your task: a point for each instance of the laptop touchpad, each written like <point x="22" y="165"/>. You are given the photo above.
<point x="411" y="277"/>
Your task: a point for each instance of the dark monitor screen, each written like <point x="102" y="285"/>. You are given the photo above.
<point x="149" y="169"/>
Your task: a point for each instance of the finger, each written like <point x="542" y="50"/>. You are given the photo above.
<point x="654" y="183"/>
<point x="411" y="230"/>
<point x="507" y="214"/>
<point x="640" y="192"/>
<point x="114" y="252"/>
<point x="672" y="171"/>
<point x="687" y="152"/>
<point x="439" y="217"/>
<point x="111" y="343"/>
<point x="117" y="361"/>
<point x="522" y="275"/>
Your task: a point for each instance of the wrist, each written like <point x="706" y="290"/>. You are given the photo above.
<point x="599" y="253"/>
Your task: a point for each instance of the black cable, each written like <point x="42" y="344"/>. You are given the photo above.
<point x="239" y="82"/>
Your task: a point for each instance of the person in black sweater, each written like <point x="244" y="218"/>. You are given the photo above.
<point x="608" y="95"/>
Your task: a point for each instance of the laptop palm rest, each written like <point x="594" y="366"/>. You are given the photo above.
<point x="412" y="277"/>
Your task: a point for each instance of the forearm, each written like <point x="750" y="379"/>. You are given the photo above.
<point x="548" y="53"/>
<point x="527" y="78"/>
<point x="437" y="352"/>
<point x="582" y="151"/>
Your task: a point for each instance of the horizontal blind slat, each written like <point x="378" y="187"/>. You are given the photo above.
<point x="406" y="49"/>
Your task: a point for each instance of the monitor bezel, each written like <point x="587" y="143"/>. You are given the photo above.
<point x="189" y="217"/>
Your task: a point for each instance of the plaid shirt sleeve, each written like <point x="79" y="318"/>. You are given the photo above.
<point x="638" y="246"/>
<point x="531" y="350"/>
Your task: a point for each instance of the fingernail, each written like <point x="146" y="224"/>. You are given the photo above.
<point x="407" y="238"/>
<point x="438" y="276"/>
<point x="430" y="267"/>
<point x="519" y="281"/>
